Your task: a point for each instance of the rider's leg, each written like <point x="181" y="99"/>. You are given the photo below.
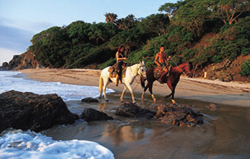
<point x="163" y="74"/>
<point x="117" y="79"/>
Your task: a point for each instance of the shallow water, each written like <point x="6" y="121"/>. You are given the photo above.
<point x="224" y="134"/>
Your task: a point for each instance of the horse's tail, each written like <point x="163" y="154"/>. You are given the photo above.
<point x="100" y="84"/>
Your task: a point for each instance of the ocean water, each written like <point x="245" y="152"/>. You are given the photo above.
<point x="26" y="144"/>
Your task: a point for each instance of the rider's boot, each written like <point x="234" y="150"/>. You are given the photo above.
<point x="162" y="76"/>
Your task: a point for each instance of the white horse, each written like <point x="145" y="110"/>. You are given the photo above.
<point x="131" y="73"/>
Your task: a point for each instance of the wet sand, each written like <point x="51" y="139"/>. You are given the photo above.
<point x="224" y="134"/>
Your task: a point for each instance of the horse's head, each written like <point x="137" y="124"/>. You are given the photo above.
<point x="188" y="69"/>
<point x="142" y="71"/>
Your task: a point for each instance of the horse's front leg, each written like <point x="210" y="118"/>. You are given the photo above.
<point x="145" y="89"/>
<point x="123" y="91"/>
<point x="131" y="92"/>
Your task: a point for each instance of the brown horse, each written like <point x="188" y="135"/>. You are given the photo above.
<point x="171" y="80"/>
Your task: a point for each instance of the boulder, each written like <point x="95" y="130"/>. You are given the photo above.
<point x="32" y="111"/>
<point x="90" y="100"/>
<point x="132" y="110"/>
<point x="90" y="114"/>
<point x="179" y="115"/>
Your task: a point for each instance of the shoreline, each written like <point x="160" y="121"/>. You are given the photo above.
<point x="228" y="93"/>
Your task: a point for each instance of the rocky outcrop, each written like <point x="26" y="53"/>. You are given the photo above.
<point x="134" y="111"/>
<point x="32" y="111"/>
<point x="90" y="114"/>
<point x="178" y="115"/>
<point x="26" y="60"/>
<point x="224" y="71"/>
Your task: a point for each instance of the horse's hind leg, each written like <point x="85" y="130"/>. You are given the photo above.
<point x="104" y="90"/>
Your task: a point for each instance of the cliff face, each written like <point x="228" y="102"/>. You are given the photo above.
<point x="225" y="71"/>
<point x="24" y="61"/>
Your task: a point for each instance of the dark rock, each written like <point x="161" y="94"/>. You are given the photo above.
<point x="90" y="114"/>
<point x="179" y="115"/>
<point x="32" y="111"/>
<point x="132" y="110"/>
<point x="90" y="100"/>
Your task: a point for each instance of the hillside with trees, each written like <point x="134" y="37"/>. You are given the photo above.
<point x="213" y="34"/>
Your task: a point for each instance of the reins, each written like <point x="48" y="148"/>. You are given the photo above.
<point x="181" y="69"/>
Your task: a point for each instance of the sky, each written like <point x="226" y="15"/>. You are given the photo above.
<point x="21" y="19"/>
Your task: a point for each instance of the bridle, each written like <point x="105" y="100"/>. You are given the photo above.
<point x="139" y="68"/>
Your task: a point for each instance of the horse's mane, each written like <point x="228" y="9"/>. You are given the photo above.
<point x="185" y="63"/>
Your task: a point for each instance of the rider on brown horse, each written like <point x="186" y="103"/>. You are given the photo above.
<point x="162" y="60"/>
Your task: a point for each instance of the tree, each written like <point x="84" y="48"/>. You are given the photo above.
<point x="127" y="23"/>
<point x="229" y="10"/>
<point x="170" y="8"/>
<point x="110" y="17"/>
<point x="78" y="32"/>
<point x="155" y="23"/>
<point x="192" y="16"/>
<point x="101" y="32"/>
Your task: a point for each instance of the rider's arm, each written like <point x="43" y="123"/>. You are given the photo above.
<point x="118" y="58"/>
<point x="156" y="57"/>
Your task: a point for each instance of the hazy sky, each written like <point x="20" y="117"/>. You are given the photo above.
<point x="21" y="19"/>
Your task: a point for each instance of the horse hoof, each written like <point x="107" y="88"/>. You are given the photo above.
<point x="173" y="101"/>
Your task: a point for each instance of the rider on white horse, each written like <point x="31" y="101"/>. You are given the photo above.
<point x="119" y="63"/>
<point x="128" y="79"/>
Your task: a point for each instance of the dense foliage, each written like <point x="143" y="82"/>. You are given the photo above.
<point x="245" y="68"/>
<point x="179" y="28"/>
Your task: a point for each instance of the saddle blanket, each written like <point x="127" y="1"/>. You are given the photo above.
<point x="112" y="71"/>
<point x="158" y="70"/>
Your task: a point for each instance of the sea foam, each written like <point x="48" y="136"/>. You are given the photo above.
<point x="20" y="144"/>
<point x="25" y="144"/>
<point x="10" y="80"/>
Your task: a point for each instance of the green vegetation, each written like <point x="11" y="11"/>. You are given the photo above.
<point x="179" y="28"/>
<point x="245" y="68"/>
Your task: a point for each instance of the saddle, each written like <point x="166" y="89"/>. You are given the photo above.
<point x="112" y="71"/>
<point x="158" y="71"/>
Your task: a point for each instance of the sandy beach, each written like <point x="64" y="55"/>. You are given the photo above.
<point x="224" y="134"/>
<point x="229" y="93"/>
